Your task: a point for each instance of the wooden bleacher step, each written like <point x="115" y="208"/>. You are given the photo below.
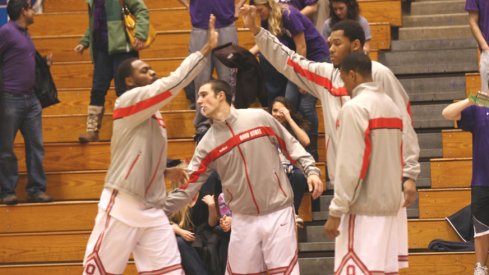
<point x="75" y="268"/>
<point x="451" y="173"/>
<point x="472" y="83"/>
<point x="168" y="44"/>
<point x="50" y="247"/>
<point x="441" y="203"/>
<point x="456" y="144"/>
<point x="373" y="10"/>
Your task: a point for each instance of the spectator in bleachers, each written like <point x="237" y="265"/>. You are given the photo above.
<point x="225" y="13"/>
<point x="479" y="24"/>
<point x="130" y="217"/>
<point x="198" y="238"/>
<point x="346" y="9"/>
<point x="306" y="7"/>
<point x="19" y="107"/>
<point x="109" y="47"/>
<point x="297" y="126"/>
<point x="296" y="31"/>
<point x="475" y="119"/>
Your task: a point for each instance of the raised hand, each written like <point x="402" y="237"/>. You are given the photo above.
<point x="249" y="18"/>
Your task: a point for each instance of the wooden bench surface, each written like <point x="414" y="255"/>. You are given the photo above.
<point x="373" y="10"/>
<point x="451" y="173"/>
<point x="67" y="128"/>
<point x="441" y="203"/>
<point x="448" y="263"/>
<point x="167" y="44"/>
<point x="70" y="245"/>
<point x="456" y="144"/>
<point x="472" y="83"/>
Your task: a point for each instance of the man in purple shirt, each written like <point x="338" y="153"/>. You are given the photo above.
<point x="479" y="24"/>
<point x="19" y="107"/>
<point x="224" y="11"/>
<point x="475" y="119"/>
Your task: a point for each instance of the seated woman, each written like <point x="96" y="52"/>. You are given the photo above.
<point x="282" y="111"/>
<point x="346" y="9"/>
<point x="194" y="230"/>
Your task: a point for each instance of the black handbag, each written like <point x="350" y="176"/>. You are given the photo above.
<point x="44" y="87"/>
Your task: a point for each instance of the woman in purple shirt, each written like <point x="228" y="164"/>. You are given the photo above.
<point x="297" y="32"/>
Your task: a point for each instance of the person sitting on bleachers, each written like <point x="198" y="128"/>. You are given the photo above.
<point x="474" y="119"/>
<point x="346" y="9"/>
<point x="297" y="126"/>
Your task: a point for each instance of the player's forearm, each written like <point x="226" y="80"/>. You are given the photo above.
<point x="476" y="31"/>
<point x="310" y="10"/>
<point x="454" y="110"/>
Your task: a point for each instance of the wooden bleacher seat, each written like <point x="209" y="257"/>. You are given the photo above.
<point x="451" y="173"/>
<point x="441" y="203"/>
<point x="472" y="83"/>
<point x="456" y="144"/>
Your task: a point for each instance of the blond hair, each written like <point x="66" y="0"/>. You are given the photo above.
<point x="275" y="25"/>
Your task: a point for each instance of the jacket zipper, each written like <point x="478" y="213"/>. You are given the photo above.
<point x="246" y="172"/>
<point x="280" y="185"/>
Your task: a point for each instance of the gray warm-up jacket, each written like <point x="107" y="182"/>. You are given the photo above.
<point x="369" y="155"/>
<point x="243" y="151"/>
<point x="139" y="139"/>
<point x="323" y="81"/>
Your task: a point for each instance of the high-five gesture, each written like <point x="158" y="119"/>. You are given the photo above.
<point x="249" y="18"/>
<point x="213" y="37"/>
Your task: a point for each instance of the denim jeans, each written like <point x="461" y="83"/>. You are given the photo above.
<point x="275" y="82"/>
<point x="22" y="113"/>
<point x="306" y="105"/>
<point x="105" y="67"/>
<point x="191" y="261"/>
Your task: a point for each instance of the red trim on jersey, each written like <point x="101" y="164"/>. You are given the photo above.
<point x="375" y="124"/>
<point x="246" y="169"/>
<point x="410" y="113"/>
<point x="132" y="166"/>
<point x="157" y="168"/>
<point x="317" y="79"/>
<point x="162" y="271"/>
<point x="280" y="185"/>
<point x="140" y="106"/>
<point x="351" y="255"/>
<point x="235" y="141"/>
<point x="160" y="121"/>
<point x="230" y="271"/>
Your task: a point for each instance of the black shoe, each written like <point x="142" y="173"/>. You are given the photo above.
<point x="9" y="200"/>
<point x="40" y="197"/>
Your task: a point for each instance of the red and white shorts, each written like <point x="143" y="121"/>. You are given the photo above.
<point x="372" y="244"/>
<point x="264" y="243"/>
<point x="154" y="249"/>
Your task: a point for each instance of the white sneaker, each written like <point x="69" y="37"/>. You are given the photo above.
<point x="480" y="269"/>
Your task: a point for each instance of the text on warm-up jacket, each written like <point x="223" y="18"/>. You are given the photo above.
<point x="243" y="151"/>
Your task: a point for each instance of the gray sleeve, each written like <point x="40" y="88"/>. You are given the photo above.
<point x="366" y="28"/>
<point x="326" y="29"/>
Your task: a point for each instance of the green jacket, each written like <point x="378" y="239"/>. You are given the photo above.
<point x="117" y="39"/>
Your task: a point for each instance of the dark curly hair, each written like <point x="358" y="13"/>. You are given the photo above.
<point x="353" y="11"/>
<point x="296" y="116"/>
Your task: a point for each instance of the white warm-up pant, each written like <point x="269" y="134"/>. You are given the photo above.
<point x="264" y="243"/>
<point x="154" y="248"/>
<point x="371" y="244"/>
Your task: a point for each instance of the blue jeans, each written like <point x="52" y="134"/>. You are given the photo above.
<point x="306" y="105"/>
<point x="105" y="67"/>
<point x="275" y="82"/>
<point x="21" y="113"/>
<point x="191" y="261"/>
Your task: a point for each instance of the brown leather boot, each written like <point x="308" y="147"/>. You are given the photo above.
<point x="94" y="123"/>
